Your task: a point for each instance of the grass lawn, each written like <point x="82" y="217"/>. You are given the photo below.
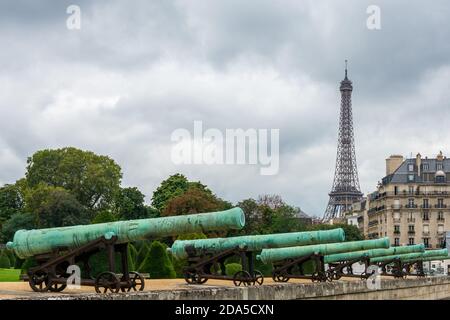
<point x="8" y="275"/>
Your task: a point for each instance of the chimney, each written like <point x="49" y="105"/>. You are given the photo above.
<point x="392" y="163"/>
<point x="440" y="156"/>
<point x="418" y="163"/>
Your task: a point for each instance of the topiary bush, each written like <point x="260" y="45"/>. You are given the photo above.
<point x="157" y="263"/>
<point x="232" y="268"/>
<point x="4" y="261"/>
<point x="28" y="263"/>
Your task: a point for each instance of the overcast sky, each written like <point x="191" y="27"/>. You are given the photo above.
<point x="138" y="70"/>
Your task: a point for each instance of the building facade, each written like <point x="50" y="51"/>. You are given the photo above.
<point x="412" y="202"/>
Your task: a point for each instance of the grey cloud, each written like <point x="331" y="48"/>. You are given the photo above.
<point x="138" y="70"/>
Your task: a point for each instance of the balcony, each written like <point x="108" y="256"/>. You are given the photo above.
<point x="411" y="232"/>
<point x="440" y="206"/>
<point x="426" y="233"/>
<point x="426" y="218"/>
<point x="441" y="219"/>
<point x="411" y="206"/>
<point x="396" y="232"/>
<point x="427" y="206"/>
<point x="411" y="220"/>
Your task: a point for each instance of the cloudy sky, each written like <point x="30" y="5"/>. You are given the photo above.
<point x="138" y="70"/>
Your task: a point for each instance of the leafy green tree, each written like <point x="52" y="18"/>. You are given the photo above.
<point x="27" y="264"/>
<point x="173" y="186"/>
<point x="104" y="216"/>
<point x="129" y="204"/>
<point x="232" y="268"/>
<point x="94" y="180"/>
<point x="158" y="263"/>
<point x="16" y="222"/>
<point x="11" y="201"/>
<point x="55" y="207"/>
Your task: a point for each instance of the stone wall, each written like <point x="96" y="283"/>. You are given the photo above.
<point x="425" y="288"/>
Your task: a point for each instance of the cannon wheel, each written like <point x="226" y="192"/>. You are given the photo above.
<point x="331" y="275"/>
<point x="39" y="281"/>
<point x="277" y="277"/>
<point x="107" y="281"/>
<point x="258" y="277"/>
<point x="137" y="282"/>
<point x="194" y="278"/>
<point x="56" y="287"/>
<point x="242" y="277"/>
<point x="318" y="277"/>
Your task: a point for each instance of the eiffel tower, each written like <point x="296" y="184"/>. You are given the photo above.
<point x="345" y="190"/>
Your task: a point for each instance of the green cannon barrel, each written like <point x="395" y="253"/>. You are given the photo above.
<point x="434" y="258"/>
<point x="27" y="243"/>
<point x="410" y="256"/>
<point x="272" y="255"/>
<point x="374" y="253"/>
<point x="258" y="242"/>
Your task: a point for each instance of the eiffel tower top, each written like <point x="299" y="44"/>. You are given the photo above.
<point x="346" y="84"/>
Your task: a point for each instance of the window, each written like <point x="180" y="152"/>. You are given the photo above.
<point x="438" y="166"/>
<point x="411" y="241"/>
<point x="440" y="203"/>
<point x="411" y="228"/>
<point x="411" y="202"/>
<point x="396" y="242"/>
<point x="426" y="229"/>
<point x="426" y="167"/>
<point x="425" y="216"/>
<point x="396" y="190"/>
<point x="411" y="189"/>
<point x="441" y="242"/>
<point x="440" y="229"/>
<point x="410" y="167"/>
<point x="426" y="242"/>
<point x="425" y="203"/>
<point x="440" y="216"/>
<point x="397" y="229"/>
<point x="396" y="215"/>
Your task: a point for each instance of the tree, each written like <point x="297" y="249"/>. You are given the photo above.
<point x="194" y="200"/>
<point x="55" y="207"/>
<point x="16" y="222"/>
<point x="157" y="263"/>
<point x="173" y="186"/>
<point x="94" y="180"/>
<point x="11" y="201"/>
<point x="129" y="204"/>
<point x="105" y="216"/>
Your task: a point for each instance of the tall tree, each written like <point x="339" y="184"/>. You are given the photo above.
<point x="129" y="204"/>
<point x="55" y="207"/>
<point x="93" y="179"/>
<point x="173" y="186"/>
<point x="11" y="201"/>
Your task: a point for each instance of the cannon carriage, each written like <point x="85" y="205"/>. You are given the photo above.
<point x="57" y="249"/>
<point x="206" y="257"/>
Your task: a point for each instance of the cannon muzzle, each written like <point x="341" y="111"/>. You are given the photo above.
<point x="257" y="242"/>
<point x="272" y="255"/>
<point x="29" y="243"/>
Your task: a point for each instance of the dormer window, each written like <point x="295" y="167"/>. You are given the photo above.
<point x="411" y="167"/>
<point x="426" y="167"/>
<point x="438" y="166"/>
